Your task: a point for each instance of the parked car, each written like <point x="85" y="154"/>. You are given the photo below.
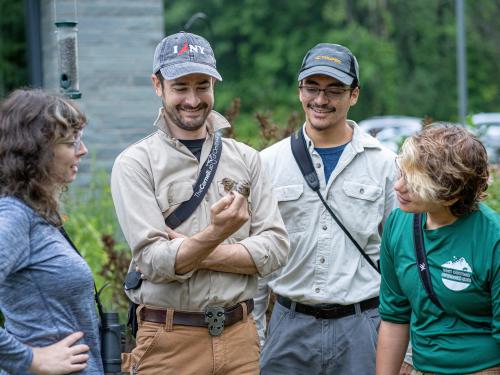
<point x="488" y="128"/>
<point x="391" y="130"/>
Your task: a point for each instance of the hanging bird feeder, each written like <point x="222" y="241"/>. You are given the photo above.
<point x="67" y="43"/>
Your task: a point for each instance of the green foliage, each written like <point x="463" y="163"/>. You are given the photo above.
<point x="406" y="51"/>
<point x="13" y="72"/>
<point x="483" y="34"/>
<point x="91" y="223"/>
<point x="493" y="199"/>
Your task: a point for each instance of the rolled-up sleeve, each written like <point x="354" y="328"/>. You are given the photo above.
<point x="268" y="242"/>
<point x="142" y="222"/>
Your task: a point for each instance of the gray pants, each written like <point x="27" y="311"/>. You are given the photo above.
<point x="301" y="344"/>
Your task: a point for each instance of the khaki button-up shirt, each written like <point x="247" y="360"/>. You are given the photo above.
<point x="324" y="266"/>
<point x="151" y="178"/>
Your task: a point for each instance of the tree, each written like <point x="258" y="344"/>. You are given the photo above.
<point x="13" y="72"/>
<point x="406" y="51"/>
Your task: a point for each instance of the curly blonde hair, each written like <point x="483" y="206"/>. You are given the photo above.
<point x="445" y="162"/>
<point x="31" y="123"/>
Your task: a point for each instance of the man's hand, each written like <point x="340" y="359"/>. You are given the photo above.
<point x="61" y="357"/>
<point x="228" y="215"/>
<point x="173" y="234"/>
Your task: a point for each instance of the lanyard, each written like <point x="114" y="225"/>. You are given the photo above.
<point x="96" y="293"/>
<point x="422" y="265"/>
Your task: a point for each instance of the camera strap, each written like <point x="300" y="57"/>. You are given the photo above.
<point x="422" y="265"/>
<point x="204" y="180"/>
<point x="96" y="293"/>
<point x="304" y="161"/>
<point x="133" y="280"/>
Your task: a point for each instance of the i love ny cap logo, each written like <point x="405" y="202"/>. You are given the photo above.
<point x="190" y="48"/>
<point x="182" y="54"/>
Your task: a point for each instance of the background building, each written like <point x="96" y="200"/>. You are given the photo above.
<point x="116" y="42"/>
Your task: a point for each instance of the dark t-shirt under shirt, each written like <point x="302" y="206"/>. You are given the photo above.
<point x="330" y="157"/>
<point x="194" y="145"/>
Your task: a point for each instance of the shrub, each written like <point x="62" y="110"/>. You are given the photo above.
<point x="91" y="222"/>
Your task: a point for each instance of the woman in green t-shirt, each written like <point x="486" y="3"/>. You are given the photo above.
<point x="453" y="320"/>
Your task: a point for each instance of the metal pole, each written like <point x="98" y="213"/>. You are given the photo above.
<point x="461" y="62"/>
<point x="200" y="16"/>
<point x="34" y="42"/>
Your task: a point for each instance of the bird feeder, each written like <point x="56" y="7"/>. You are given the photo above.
<point x="67" y="44"/>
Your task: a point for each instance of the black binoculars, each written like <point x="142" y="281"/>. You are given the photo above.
<point x="111" y="342"/>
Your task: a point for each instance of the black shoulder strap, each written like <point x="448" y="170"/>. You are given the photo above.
<point x="304" y="161"/>
<point x="204" y="180"/>
<point x="96" y="293"/>
<point x="133" y="279"/>
<point x="420" y="255"/>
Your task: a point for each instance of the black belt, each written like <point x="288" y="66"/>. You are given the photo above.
<point x="333" y="311"/>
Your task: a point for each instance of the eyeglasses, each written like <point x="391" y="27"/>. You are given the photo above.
<point x="399" y="172"/>
<point x="76" y="143"/>
<point x="330" y="92"/>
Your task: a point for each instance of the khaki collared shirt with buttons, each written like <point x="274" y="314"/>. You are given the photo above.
<point x="148" y="182"/>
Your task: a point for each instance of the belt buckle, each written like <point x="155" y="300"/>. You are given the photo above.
<point x="215" y="317"/>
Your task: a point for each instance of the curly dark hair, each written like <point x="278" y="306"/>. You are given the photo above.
<point x="31" y="123"/>
<point x="446" y="162"/>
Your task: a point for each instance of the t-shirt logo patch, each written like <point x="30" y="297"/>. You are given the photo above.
<point x="456" y="274"/>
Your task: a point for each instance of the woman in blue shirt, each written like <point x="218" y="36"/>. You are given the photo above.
<point x="46" y="288"/>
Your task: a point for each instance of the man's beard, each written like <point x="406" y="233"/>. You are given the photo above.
<point x="176" y="118"/>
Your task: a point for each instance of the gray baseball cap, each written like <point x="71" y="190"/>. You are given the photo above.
<point x="332" y="60"/>
<point x="184" y="53"/>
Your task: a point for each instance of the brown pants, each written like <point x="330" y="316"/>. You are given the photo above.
<point x="191" y="350"/>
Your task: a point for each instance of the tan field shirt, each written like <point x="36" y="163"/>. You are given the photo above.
<point x="148" y="182"/>
<point x="324" y="265"/>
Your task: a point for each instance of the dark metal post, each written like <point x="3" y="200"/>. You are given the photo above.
<point x="203" y="17"/>
<point x="33" y="42"/>
<point x="461" y="62"/>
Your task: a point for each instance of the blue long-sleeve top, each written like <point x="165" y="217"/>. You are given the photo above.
<point x="46" y="290"/>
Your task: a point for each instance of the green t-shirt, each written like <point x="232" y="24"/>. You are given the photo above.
<point x="464" y="262"/>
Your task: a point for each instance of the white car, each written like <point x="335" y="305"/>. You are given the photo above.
<point x="488" y="128"/>
<point x="391" y="130"/>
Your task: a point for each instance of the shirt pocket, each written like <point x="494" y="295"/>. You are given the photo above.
<point x="170" y="196"/>
<point x="363" y="206"/>
<point x="292" y="210"/>
<point x="362" y="191"/>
